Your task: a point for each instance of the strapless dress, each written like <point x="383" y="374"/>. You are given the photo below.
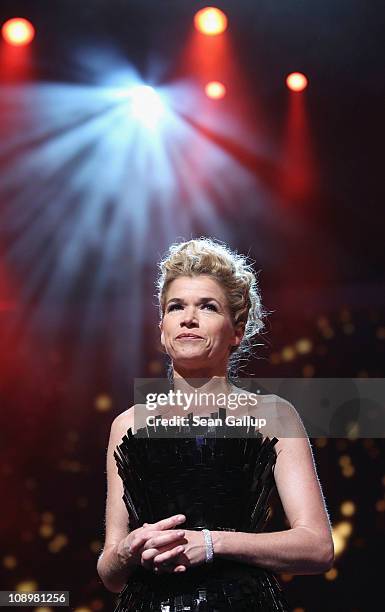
<point x="218" y="483"/>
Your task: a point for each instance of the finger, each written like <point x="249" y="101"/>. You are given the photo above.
<point x="147" y="561"/>
<point x="147" y="558"/>
<point x="172" y="570"/>
<point x="169" y="522"/>
<point x="168" y="554"/>
<point x="164" y="538"/>
<point x="140" y="540"/>
<point x="149" y="554"/>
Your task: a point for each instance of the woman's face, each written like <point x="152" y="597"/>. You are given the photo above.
<point x="197" y="330"/>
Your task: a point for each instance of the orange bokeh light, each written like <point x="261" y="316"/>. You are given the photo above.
<point x="296" y="81"/>
<point x="215" y="90"/>
<point x="210" y="21"/>
<point x="18" y="31"/>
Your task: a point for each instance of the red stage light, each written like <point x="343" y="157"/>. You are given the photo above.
<point x="215" y="90"/>
<point x="296" y="81"/>
<point x="210" y="21"/>
<point x="18" y="31"/>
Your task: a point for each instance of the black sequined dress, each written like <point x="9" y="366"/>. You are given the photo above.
<point x="221" y="483"/>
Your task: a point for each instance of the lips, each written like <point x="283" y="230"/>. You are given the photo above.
<point x="190" y="336"/>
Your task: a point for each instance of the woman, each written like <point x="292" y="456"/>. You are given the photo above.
<point x="184" y="529"/>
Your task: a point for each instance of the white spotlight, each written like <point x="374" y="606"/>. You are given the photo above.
<point x="146" y="105"/>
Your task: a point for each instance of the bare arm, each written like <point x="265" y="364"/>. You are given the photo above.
<point x="296" y="550"/>
<point x="113" y="570"/>
<point x="112" y="566"/>
<point x="307" y="547"/>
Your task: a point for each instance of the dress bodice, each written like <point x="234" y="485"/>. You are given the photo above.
<point x="218" y="483"/>
<point x="221" y="483"/>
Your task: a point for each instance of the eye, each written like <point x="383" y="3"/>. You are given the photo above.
<point x="178" y="306"/>
<point x="173" y="306"/>
<point x="210" y="306"/>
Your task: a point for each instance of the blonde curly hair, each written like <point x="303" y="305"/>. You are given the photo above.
<point x="233" y="272"/>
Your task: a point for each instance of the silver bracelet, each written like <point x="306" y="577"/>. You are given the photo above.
<point x="209" y="546"/>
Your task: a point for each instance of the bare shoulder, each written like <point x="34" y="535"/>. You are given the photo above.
<point x="278" y="406"/>
<point x="282" y="420"/>
<point x="288" y="427"/>
<point x="132" y="418"/>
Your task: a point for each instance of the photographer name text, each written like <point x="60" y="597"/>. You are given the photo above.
<point x="199" y="421"/>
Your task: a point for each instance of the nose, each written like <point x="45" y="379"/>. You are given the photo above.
<point x="189" y="318"/>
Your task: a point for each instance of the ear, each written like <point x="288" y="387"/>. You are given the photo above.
<point x="160" y="325"/>
<point x="239" y="332"/>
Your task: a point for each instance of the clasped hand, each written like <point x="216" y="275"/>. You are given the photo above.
<point x="162" y="547"/>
